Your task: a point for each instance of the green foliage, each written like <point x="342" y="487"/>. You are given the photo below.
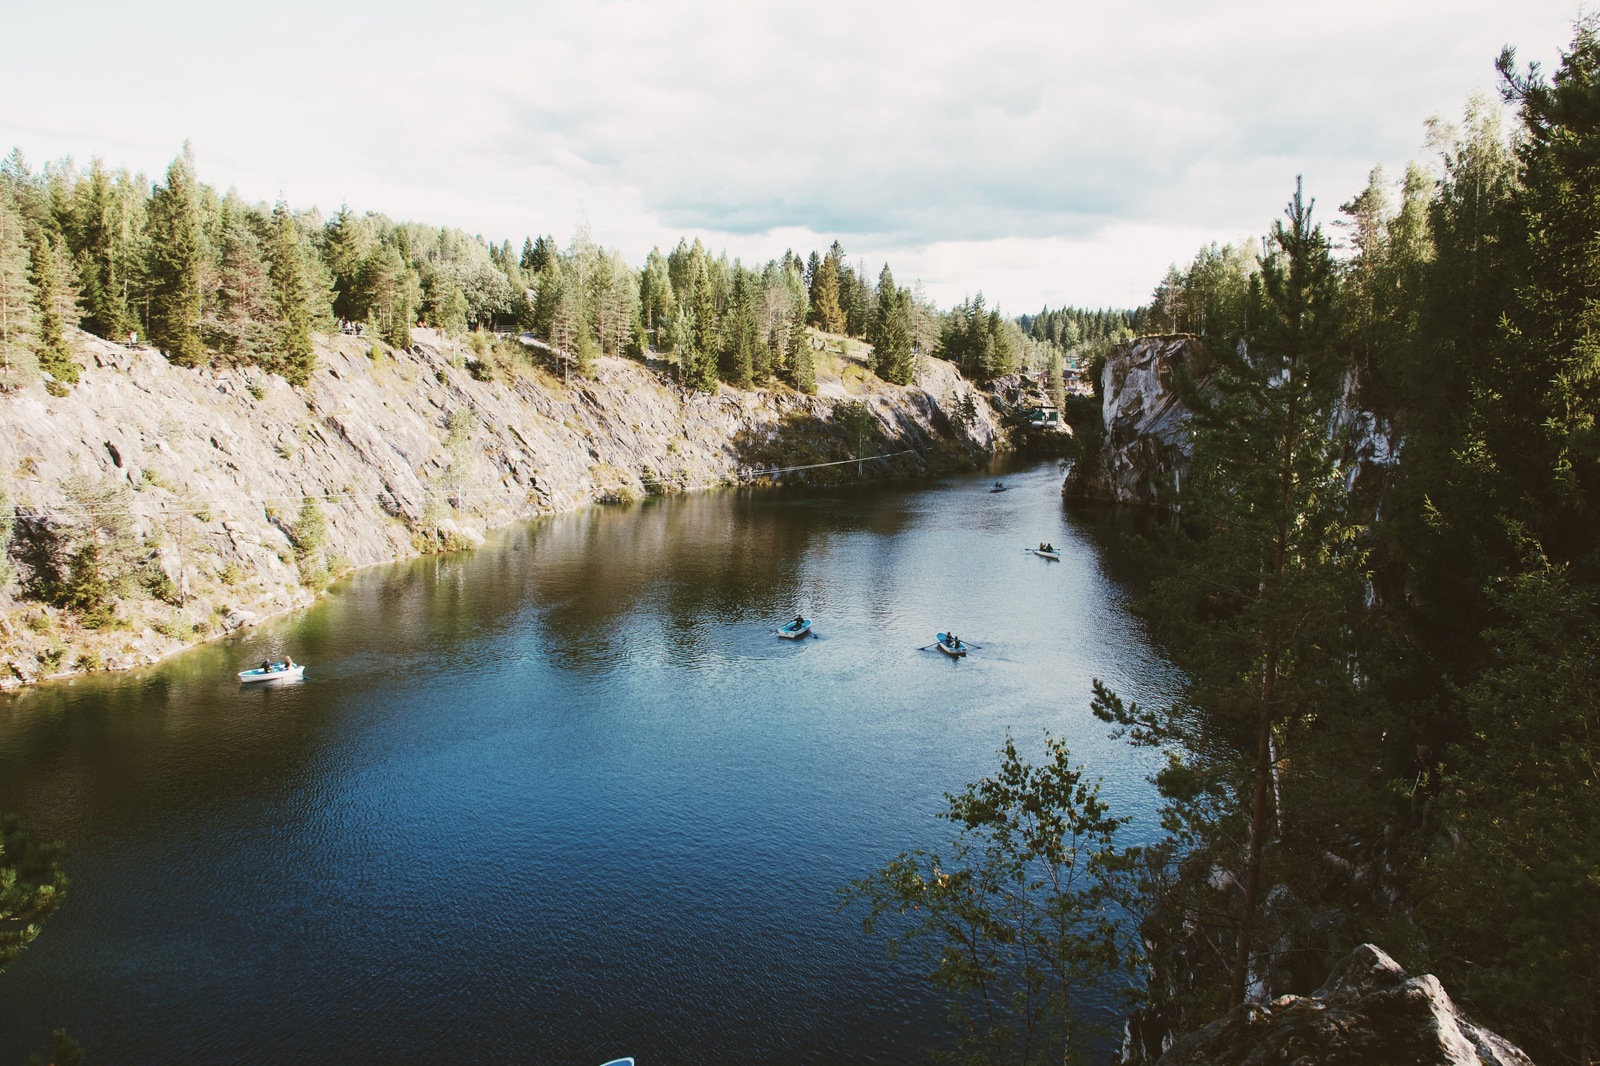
<point x="980" y="342"/>
<point x="889" y="332"/>
<point x="1264" y="585"/>
<point x="826" y="313"/>
<point x="1210" y="299"/>
<point x="56" y="292"/>
<point x="19" y="326"/>
<point x="177" y="249"/>
<point x="65" y="1051"/>
<point x="310" y="530"/>
<point x="739" y="339"/>
<point x="1513" y="904"/>
<point x="1016" y="917"/>
<point x="32" y="886"/>
<point x="294" y="356"/>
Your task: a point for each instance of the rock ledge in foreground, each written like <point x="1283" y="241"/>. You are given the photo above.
<point x="1368" y="1012"/>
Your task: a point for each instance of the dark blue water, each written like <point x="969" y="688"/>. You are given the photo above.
<point x="565" y="798"/>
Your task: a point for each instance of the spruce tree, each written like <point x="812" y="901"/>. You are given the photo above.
<point x="295" y="356"/>
<point x="802" y="372"/>
<point x="56" y="304"/>
<point x="177" y="248"/>
<point x="826" y="314"/>
<point x="95" y="226"/>
<point x="703" y="356"/>
<point x="739" y="335"/>
<point x="18" y="317"/>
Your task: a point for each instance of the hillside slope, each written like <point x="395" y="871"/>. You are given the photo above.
<point x="185" y="492"/>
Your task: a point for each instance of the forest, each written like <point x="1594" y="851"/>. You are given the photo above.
<point x="210" y="279"/>
<point x="1389" y="724"/>
<point x="1390" y="715"/>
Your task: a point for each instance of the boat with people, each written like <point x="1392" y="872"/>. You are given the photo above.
<point x="799" y="627"/>
<point x="951" y="645"/>
<point x="286" y="670"/>
<point x="1048" y="551"/>
<point x="998" y="487"/>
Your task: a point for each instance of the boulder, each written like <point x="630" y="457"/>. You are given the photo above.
<point x="1368" y="1012"/>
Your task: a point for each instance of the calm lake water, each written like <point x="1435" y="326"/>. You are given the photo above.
<point x="565" y="798"/>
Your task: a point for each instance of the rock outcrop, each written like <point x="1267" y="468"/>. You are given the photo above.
<point x="1145" y="451"/>
<point x="1368" y="1012"/>
<point x="201" y="476"/>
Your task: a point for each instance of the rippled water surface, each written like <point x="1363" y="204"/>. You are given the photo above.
<point x="565" y="798"/>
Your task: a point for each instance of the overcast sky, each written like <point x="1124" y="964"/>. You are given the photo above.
<point x="1046" y="153"/>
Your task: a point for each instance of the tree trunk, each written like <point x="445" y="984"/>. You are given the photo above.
<point x="1258" y="831"/>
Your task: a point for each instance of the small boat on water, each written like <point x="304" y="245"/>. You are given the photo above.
<point x="1048" y="551"/>
<point x="796" y="629"/>
<point x="284" y="671"/>
<point x="998" y="487"/>
<point x="952" y="645"/>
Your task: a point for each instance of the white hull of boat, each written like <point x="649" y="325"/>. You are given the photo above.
<point x="795" y="632"/>
<point x="1041" y="553"/>
<point x="293" y="673"/>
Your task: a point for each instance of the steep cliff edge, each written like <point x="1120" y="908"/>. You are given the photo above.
<point x="197" y="501"/>
<point x="1368" y="1011"/>
<point x="1144" y="450"/>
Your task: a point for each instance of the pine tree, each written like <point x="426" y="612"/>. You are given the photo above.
<point x="177" y="248"/>
<point x="238" y="319"/>
<point x="1258" y="606"/>
<point x="295" y="356"/>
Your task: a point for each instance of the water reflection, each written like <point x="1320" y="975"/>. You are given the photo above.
<point x="566" y="797"/>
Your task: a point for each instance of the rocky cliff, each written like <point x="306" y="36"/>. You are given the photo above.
<point x="1368" y="1011"/>
<point x="1144" y="451"/>
<point x="196" y="501"/>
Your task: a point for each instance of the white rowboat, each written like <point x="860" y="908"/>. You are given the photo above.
<point x="796" y="629"/>
<point x="279" y="672"/>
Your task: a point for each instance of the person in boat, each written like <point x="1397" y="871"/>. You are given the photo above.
<point x="288" y="662"/>
<point x="799" y="620"/>
<point x="998" y="485"/>
<point x="266" y="666"/>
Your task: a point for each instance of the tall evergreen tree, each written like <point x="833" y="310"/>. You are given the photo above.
<point x="802" y="372"/>
<point x="739" y="336"/>
<point x="826" y="313"/>
<point x="18" y="317"/>
<point x="177" y="251"/>
<point x="294" y="357"/>
<point x="1257" y="610"/>
<point x="702" y="367"/>
<point x="56" y="294"/>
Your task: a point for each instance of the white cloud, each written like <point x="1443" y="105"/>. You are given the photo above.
<point x="1024" y="148"/>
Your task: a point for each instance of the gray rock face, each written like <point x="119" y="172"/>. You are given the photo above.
<point x="404" y="451"/>
<point x="1145" y="451"/>
<point x="1369" y="1012"/>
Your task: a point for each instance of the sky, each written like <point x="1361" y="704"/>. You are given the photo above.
<point x="1052" y="154"/>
